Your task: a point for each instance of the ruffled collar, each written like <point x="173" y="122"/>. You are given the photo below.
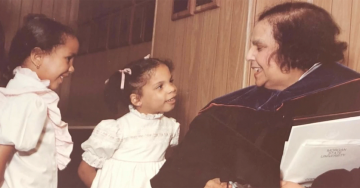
<point x="27" y="81"/>
<point x="144" y="116"/>
<point x="35" y="80"/>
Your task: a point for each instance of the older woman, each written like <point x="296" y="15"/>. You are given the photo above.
<point x="240" y="137"/>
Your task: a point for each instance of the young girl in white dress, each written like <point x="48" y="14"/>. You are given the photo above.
<point x="34" y="142"/>
<point x="129" y="151"/>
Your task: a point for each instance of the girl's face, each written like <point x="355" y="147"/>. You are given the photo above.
<point x="158" y="94"/>
<point x="59" y="63"/>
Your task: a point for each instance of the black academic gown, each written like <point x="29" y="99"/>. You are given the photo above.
<point x="240" y="136"/>
<point x="340" y="178"/>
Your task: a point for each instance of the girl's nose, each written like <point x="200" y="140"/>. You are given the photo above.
<point x="71" y="69"/>
<point x="172" y="89"/>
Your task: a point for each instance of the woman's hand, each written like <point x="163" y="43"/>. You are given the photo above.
<point x="289" y="184"/>
<point x="215" y="183"/>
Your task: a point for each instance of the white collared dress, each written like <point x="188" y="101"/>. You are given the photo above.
<point x="129" y="151"/>
<point x="30" y="120"/>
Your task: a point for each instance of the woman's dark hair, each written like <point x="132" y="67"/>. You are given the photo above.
<point x="306" y="34"/>
<point x="141" y="72"/>
<point x="37" y="31"/>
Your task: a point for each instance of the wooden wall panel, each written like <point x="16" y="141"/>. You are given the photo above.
<point x="237" y="47"/>
<point x="225" y="65"/>
<point x="354" y="42"/>
<point x="61" y="10"/>
<point x="11" y="21"/>
<point x="26" y="8"/>
<point x="345" y="14"/>
<point x="208" y="49"/>
<point x="197" y="45"/>
<point x="177" y="42"/>
<point x="86" y="103"/>
<point x="5" y="11"/>
<point x="36" y="7"/>
<point x="325" y="4"/>
<point x="308" y="1"/>
<point x="341" y="11"/>
<point x="190" y="82"/>
<point x="261" y="5"/>
<point x="87" y="84"/>
<point x="12" y="13"/>
<point x="207" y="56"/>
<point x="186" y="99"/>
<point x="73" y="13"/>
<point x="4" y="7"/>
<point x="47" y="7"/>
<point x="224" y="37"/>
<point x="161" y="28"/>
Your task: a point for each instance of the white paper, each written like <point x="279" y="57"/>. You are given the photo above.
<point x="315" y="148"/>
<point x="314" y="159"/>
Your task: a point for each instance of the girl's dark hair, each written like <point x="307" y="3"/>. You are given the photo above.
<point x="306" y="34"/>
<point x="141" y="72"/>
<point x="37" y="31"/>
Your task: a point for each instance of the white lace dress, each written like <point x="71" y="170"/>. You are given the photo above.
<point x="129" y="151"/>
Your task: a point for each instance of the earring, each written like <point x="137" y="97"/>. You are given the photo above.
<point x="36" y="65"/>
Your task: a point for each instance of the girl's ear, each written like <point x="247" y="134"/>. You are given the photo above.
<point x="135" y="100"/>
<point x="36" y="57"/>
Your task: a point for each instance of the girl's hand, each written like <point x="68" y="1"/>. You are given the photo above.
<point x="289" y="184"/>
<point x="6" y="153"/>
<point x="215" y="183"/>
<point x="86" y="173"/>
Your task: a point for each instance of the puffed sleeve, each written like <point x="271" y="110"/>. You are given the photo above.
<point x="176" y="133"/>
<point x="22" y="119"/>
<point x="102" y="143"/>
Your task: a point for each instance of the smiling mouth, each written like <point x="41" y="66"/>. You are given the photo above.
<point x="256" y="69"/>
<point x="172" y="100"/>
<point x="63" y="76"/>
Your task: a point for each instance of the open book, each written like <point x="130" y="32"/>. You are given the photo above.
<point x="315" y="148"/>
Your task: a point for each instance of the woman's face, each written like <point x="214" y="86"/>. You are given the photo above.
<point x="262" y="57"/>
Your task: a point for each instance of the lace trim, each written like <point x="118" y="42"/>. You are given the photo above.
<point x="144" y="116"/>
<point x="102" y="134"/>
<point x="147" y="135"/>
<point x="93" y="160"/>
<point x="106" y="136"/>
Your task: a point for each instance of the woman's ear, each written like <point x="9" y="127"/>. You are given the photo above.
<point x="36" y="57"/>
<point x="135" y="100"/>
